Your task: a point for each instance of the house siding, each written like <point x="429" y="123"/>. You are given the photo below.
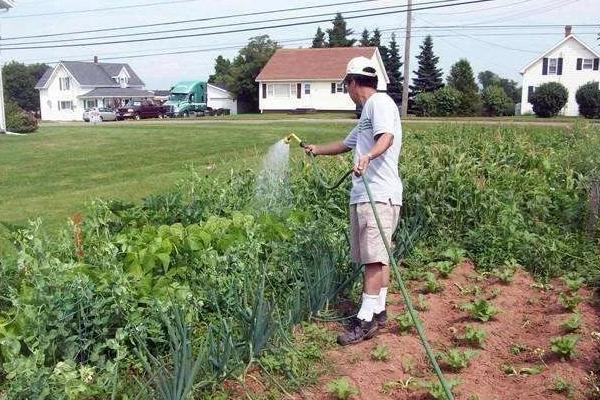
<point x="320" y="97"/>
<point x="50" y="97"/>
<point x="571" y="78"/>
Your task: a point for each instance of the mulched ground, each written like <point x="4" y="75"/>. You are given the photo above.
<point x="530" y="317"/>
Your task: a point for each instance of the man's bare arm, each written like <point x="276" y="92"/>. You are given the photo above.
<point x="328" y="149"/>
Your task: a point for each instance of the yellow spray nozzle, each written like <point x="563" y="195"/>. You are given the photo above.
<point x="291" y="136"/>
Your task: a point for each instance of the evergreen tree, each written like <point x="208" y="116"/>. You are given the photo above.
<point x="319" y="40"/>
<point x="462" y="79"/>
<point x="429" y="77"/>
<point x="393" y="68"/>
<point x="338" y="35"/>
<point x="364" y="39"/>
<point x="375" y="40"/>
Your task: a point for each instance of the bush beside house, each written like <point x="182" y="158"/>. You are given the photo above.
<point x="549" y="99"/>
<point x="588" y="99"/>
<point x="496" y="102"/>
<point x="19" y="121"/>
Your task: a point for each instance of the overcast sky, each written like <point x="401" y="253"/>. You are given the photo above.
<point x="504" y="51"/>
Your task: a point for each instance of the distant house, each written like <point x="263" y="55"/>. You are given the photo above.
<point x="570" y="62"/>
<point x="312" y="78"/>
<point x="221" y="98"/>
<point x="73" y="86"/>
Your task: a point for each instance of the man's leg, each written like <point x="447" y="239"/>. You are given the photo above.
<point x="371" y="289"/>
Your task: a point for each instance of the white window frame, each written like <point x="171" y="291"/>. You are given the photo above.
<point x="307" y="88"/>
<point x="90" y="103"/>
<point x="63" y="103"/>
<point x="550" y="62"/>
<point x="278" y="89"/>
<point x="589" y="65"/>
<point x="64" y="83"/>
<point x="340" y="87"/>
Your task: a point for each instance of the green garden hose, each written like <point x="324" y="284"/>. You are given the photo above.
<point x="397" y="277"/>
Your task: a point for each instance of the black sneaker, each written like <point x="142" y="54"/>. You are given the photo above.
<point x="358" y="331"/>
<point x="381" y="318"/>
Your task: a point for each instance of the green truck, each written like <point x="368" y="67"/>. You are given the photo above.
<point x="187" y="98"/>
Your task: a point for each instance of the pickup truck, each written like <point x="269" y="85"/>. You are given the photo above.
<point x="139" y="110"/>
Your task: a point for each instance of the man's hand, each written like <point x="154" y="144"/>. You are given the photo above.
<point x="362" y="165"/>
<point x="311" y="149"/>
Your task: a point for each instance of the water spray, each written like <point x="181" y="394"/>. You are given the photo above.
<point x="395" y="271"/>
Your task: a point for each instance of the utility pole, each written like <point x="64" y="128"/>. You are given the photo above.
<point x="5" y="5"/>
<point x="406" y="60"/>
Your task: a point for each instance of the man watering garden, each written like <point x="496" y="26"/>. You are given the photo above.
<point x="376" y="141"/>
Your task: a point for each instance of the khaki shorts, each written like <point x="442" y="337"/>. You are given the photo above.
<point x="365" y="240"/>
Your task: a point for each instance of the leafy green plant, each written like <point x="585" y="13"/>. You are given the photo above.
<point x="569" y="301"/>
<point x="474" y="336"/>
<point x="564" y="346"/>
<point x="506" y="273"/>
<point x="405" y="322"/>
<point x="561" y="385"/>
<point x="432" y="285"/>
<point x="436" y="390"/>
<point x="380" y="353"/>
<point x="573" y="282"/>
<point x="481" y="310"/>
<point x="444" y="268"/>
<point x="455" y="254"/>
<point x="421" y="303"/>
<point x="341" y="389"/>
<point x="572" y="324"/>
<point x="518" y="348"/>
<point x="408" y="384"/>
<point x="455" y="359"/>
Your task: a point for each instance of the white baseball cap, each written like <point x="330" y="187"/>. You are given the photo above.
<point x="361" y="66"/>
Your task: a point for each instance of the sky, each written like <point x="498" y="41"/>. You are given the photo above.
<point x="488" y="47"/>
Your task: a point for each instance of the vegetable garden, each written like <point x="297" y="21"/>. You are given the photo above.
<point x="168" y="298"/>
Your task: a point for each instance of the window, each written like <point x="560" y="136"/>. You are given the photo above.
<point x="340" y="87"/>
<point x="64" y="83"/>
<point x="307" y="88"/>
<point x="87" y="104"/>
<point x="588" y="63"/>
<point x="65" y="105"/>
<point x="552" y="66"/>
<point x="278" y="90"/>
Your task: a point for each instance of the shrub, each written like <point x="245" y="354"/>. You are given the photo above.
<point x="496" y="102"/>
<point x="588" y="99"/>
<point x="447" y="101"/>
<point x="425" y="104"/>
<point x="549" y="99"/>
<point x="18" y="120"/>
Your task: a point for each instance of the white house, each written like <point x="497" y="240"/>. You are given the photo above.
<point x="312" y="78"/>
<point x="570" y="62"/>
<point x="73" y="86"/>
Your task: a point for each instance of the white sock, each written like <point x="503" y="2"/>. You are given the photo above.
<point x="381" y="302"/>
<point x="370" y="302"/>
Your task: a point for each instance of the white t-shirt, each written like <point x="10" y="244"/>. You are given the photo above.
<point x="379" y="115"/>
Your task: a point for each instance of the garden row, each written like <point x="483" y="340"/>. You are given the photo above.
<point x="193" y="286"/>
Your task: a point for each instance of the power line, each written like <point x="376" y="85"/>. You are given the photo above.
<point x="11" y="16"/>
<point x="211" y="26"/>
<point x="190" y="20"/>
<point x="238" y="30"/>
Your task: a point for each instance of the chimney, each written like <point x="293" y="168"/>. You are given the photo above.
<point x="568" y="29"/>
<point x="95" y="59"/>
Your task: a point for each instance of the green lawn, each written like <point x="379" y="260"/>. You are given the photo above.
<point x="56" y="171"/>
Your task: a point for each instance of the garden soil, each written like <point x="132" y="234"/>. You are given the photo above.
<point x="530" y="317"/>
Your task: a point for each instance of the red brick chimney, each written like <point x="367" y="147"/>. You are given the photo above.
<point x="95" y="59"/>
<point x="568" y="30"/>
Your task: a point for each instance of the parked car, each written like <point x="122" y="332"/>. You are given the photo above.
<point x="139" y="110"/>
<point x="106" y="114"/>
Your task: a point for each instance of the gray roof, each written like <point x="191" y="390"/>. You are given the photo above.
<point x="95" y="74"/>
<point x="117" y="92"/>
<point x="161" y="92"/>
<point x="42" y="82"/>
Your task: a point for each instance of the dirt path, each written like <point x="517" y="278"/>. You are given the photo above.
<point x="519" y="337"/>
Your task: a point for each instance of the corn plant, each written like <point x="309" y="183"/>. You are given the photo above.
<point x="572" y="324"/>
<point x="380" y="353"/>
<point x="569" y="301"/>
<point x="341" y="389"/>
<point x="474" y="336"/>
<point x="564" y="346"/>
<point x="456" y="359"/>
<point x="481" y="310"/>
